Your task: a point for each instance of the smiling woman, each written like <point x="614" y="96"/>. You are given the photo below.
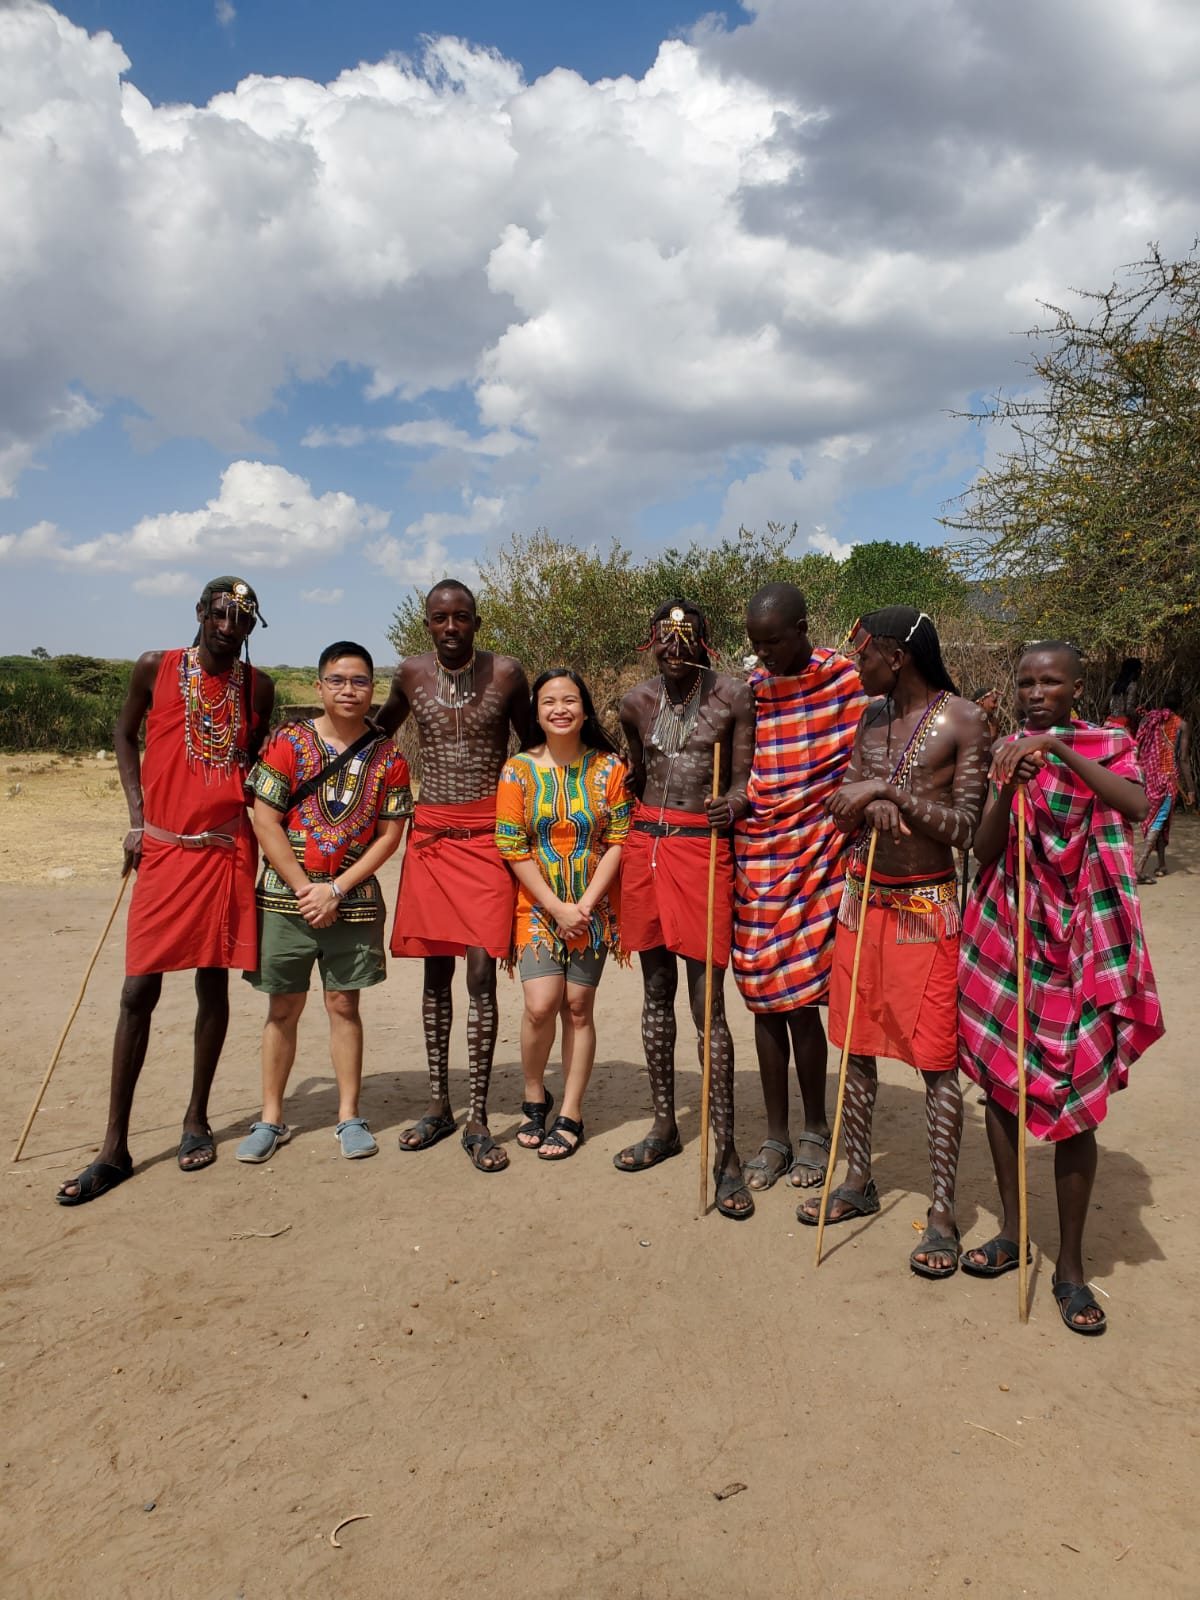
<point x="562" y="815"/>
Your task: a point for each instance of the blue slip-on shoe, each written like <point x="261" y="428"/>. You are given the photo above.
<point x="355" y="1139"/>
<point x="261" y="1143"/>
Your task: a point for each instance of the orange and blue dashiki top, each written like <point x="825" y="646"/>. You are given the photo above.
<point x="332" y="827"/>
<point x="564" y="819"/>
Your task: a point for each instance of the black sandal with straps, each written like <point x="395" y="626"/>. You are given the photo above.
<point x="563" y="1148"/>
<point x="535" y="1121"/>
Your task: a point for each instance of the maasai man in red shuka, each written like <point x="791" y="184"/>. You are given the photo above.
<point x="672" y="723"/>
<point x="1090" y="1001"/>
<point x="791" y="865"/>
<point x="456" y="894"/>
<point x="917" y="776"/>
<point x="206" y="714"/>
<point x="1163" y="740"/>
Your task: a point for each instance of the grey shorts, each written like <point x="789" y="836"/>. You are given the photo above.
<point x="576" y="966"/>
<point x="348" y="954"/>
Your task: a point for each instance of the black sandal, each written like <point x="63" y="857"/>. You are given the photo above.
<point x="554" y="1140"/>
<point x="728" y="1185"/>
<point x="196" y="1144"/>
<point x="478" y="1145"/>
<point x="428" y="1129"/>
<point x="1072" y="1299"/>
<point x="859" y="1203"/>
<point x="933" y="1243"/>
<point x="991" y="1266"/>
<point x="535" y="1120"/>
<point x="648" y="1152"/>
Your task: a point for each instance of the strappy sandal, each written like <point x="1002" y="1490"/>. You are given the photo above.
<point x="865" y="1204"/>
<point x="936" y="1244"/>
<point x="991" y="1266"/>
<point x="428" y="1129"/>
<point x="761" y="1167"/>
<point x="478" y="1145"/>
<point x="803" y="1164"/>
<point x="1072" y="1299"/>
<point x="554" y="1140"/>
<point x="730" y="1184"/>
<point x="535" y="1121"/>
<point x="201" y="1145"/>
<point x="648" y="1152"/>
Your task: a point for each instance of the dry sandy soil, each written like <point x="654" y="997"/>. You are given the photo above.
<point x="537" y="1382"/>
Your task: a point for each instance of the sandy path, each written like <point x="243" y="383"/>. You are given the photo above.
<point x="521" y="1392"/>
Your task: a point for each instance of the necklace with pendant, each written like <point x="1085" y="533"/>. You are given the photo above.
<point x="456" y="689"/>
<point x="675" y="720"/>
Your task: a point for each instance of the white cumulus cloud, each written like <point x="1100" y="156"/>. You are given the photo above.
<point x="821" y="225"/>
<point x="322" y="597"/>
<point x="263" y="516"/>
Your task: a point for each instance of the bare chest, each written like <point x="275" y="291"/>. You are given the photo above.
<point x="915" y="753"/>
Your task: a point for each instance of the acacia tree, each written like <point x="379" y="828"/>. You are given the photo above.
<point x="1088" y="526"/>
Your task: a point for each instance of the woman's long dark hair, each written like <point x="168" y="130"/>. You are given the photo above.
<point x="592" y="733"/>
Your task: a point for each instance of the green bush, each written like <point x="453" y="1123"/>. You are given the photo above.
<point x="44" y="706"/>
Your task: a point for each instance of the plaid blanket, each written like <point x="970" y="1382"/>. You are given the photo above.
<point x="790" y="857"/>
<point x="1091" y="1003"/>
<point x="1158" y="751"/>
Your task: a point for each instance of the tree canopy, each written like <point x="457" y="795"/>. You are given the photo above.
<point x="549" y="602"/>
<point x="1087" y="527"/>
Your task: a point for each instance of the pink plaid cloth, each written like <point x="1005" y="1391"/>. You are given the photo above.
<point x="1090" y="999"/>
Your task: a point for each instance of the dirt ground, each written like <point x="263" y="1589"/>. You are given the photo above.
<point x="540" y="1381"/>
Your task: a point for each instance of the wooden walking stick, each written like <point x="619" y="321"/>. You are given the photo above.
<point x="1022" y="1192"/>
<point x="62" y="1038"/>
<point x="706" y="1074"/>
<point x="841" y="1094"/>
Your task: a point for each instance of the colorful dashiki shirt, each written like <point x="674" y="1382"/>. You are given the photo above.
<point x="564" y="818"/>
<point x="1090" y="1001"/>
<point x="791" y="860"/>
<point x="332" y="827"/>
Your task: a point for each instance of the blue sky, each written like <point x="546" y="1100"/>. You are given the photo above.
<point x="341" y="297"/>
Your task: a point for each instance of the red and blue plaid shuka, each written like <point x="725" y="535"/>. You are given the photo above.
<point x="1091" y="1004"/>
<point x="791" y="860"/>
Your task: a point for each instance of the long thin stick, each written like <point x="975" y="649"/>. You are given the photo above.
<point x="62" y="1038"/>
<point x="1022" y="1193"/>
<point x="706" y="1076"/>
<point x="841" y="1094"/>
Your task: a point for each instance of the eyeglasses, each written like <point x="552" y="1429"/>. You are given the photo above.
<point x="336" y="681"/>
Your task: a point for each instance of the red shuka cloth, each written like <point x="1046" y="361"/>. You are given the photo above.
<point x="190" y="908"/>
<point x="664" y="890"/>
<point x="907" y="1008"/>
<point x="455" y="894"/>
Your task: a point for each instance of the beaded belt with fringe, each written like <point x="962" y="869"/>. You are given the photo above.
<point x="927" y="912"/>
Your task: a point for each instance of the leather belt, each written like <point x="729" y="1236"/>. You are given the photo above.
<point x="434" y="837"/>
<point x="672" y="830"/>
<point x="224" y="836"/>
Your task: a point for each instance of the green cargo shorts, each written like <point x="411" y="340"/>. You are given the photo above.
<point x="349" y="954"/>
